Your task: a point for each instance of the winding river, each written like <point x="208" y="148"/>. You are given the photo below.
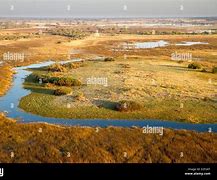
<point x="9" y="104"/>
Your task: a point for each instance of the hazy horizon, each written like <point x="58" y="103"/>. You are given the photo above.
<point x="107" y="8"/>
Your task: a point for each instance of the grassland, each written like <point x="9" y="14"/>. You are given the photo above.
<point x="167" y="89"/>
<point x="147" y="76"/>
<point x="41" y="143"/>
<point x="5" y="78"/>
<point x="49" y="105"/>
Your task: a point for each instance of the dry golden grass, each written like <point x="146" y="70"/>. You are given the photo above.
<point x="146" y="65"/>
<point x="48" y="143"/>
<point x="161" y="86"/>
<point x="53" y="144"/>
<point x="35" y="49"/>
<point x="5" y="78"/>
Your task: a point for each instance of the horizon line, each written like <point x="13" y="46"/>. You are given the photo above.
<point x="130" y="17"/>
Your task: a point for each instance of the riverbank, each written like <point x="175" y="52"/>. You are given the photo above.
<point x="166" y="91"/>
<point x="160" y="77"/>
<point x="6" y="74"/>
<point x="41" y="143"/>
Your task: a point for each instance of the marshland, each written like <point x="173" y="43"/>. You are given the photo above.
<point x="109" y="74"/>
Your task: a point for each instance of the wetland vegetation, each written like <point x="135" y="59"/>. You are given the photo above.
<point x="110" y="81"/>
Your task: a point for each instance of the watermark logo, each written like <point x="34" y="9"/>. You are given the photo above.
<point x="40" y="32"/>
<point x="68" y="154"/>
<point x="153" y="130"/>
<point x="40" y="81"/>
<point x="97" y="33"/>
<point x="1" y="172"/>
<point x="40" y="130"/>
<point x="97" y="81"/>
<point x="12" y="7"/>
<point x="12" y="105"/>
<point x="125" y="8"/>
<point x="181" y="56"/>
<point x="68" y="105"/>
<point x="97" y="130"/>
<point x="68" y="7"/>
<point x="12" y="155"/>
<point x="181" y="105"/>
<point x="9" y="56"/>
<point x="125" y="155"/>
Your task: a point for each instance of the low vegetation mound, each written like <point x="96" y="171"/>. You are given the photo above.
<point x="57" y="68"/>
<point x="73" y="65"/>
<point x="59" y="81"/>
<point x="128" y="106"/>
<point x="214" y="69"/>
<point x="194" y="66"/>
<point x="62" y="91"/>
<point x="107" y="59"/>
<point x="67" y="81"/>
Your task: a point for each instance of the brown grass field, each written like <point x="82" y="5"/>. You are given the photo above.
<point x="120" y="145"/>
<point x="151" y="78"/>
<point x="5" y="78"/>
<point x="41" y="143"/>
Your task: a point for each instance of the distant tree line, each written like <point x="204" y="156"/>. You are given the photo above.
<point x="68" y="32"/>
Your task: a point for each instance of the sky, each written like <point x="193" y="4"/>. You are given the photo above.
<point x="107" y="8"/>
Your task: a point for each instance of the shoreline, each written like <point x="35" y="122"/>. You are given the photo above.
<point x="97" y="122"/>
<point x="35" y="143"/>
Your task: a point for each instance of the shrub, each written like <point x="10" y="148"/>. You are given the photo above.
<point x="206" y="99"/>
<point x="180" y="61"/>
<point x="59" y="81"/>
<point x="45" y="79"/>
<point x="125" y="66"/>
<point x="41" y="78"/>
<point x="62" y="91"/>
<point x="108" y="59"/>
<point x="72" y="65"/>
<point x="76" y="82"/>
<point x="56" y="68"/>
<point x="71" y="33"/>
<point x="214" y="69"/>
<point x="53" y="80"/>
<point x="194" y="66"/>
<point x="67" y="81"/>
<point x="126" y="106"/>
<point x="37" y="78"/>
<point x="32" y="78"/>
